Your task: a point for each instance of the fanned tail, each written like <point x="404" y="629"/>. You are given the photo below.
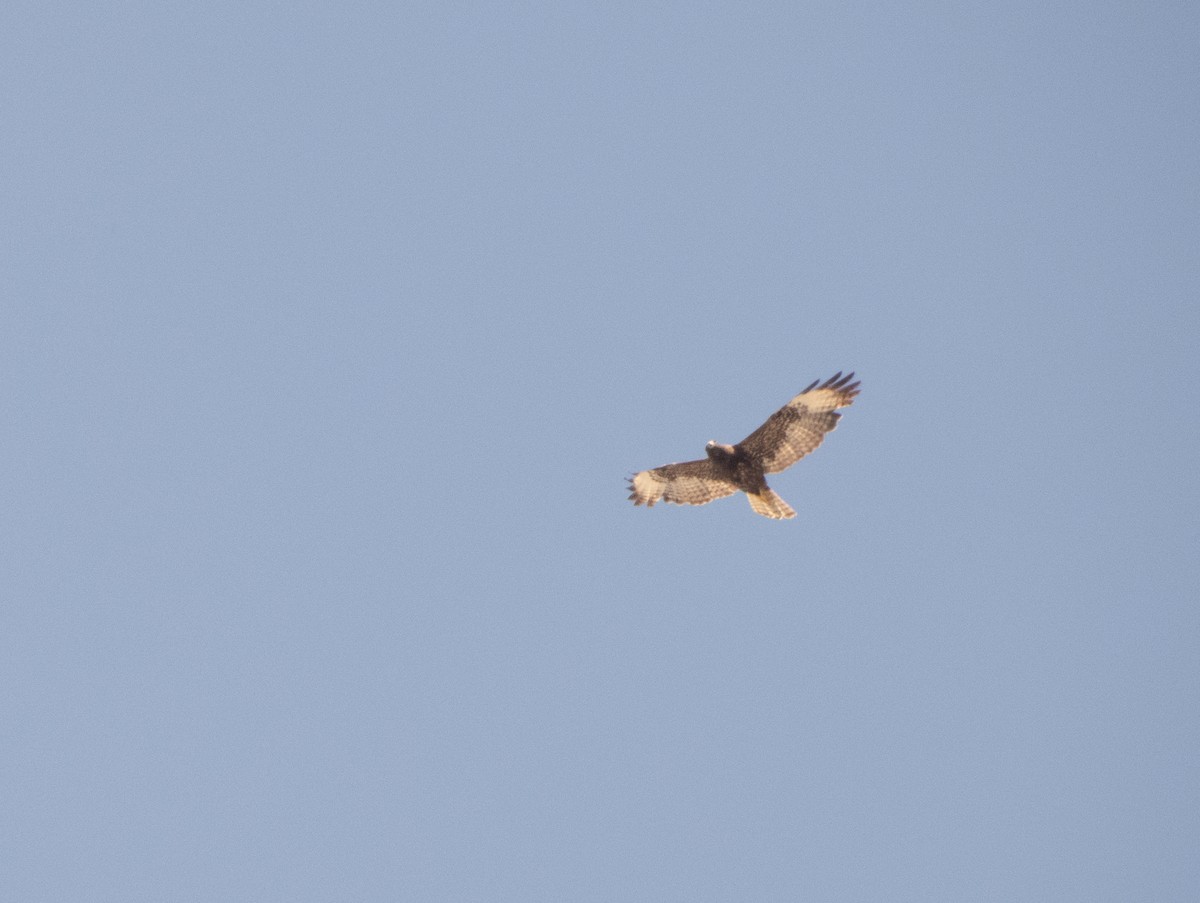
<point x="768" y="504"/>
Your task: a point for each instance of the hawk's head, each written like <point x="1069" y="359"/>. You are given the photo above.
<point x="717" y="451"/>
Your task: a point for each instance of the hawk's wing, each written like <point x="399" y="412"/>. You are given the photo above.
<point x="689" y="483"/>
<point x="800" y="425"/>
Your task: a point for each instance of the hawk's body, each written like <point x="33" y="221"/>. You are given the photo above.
<point x="788" y="435"/>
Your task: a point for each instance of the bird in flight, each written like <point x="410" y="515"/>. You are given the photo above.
<point x="788" y="435"/>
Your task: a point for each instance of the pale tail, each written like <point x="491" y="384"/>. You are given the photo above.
<point x="768" y="504"/>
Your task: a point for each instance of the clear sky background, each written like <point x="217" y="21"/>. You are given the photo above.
<point x="330" y="332"/>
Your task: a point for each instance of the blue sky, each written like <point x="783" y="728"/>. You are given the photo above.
<point x="331" y="331"/>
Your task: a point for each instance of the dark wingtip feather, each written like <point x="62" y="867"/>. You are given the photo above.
<point x="838" y="382"/>
<point x="633" y="496"/>
<point x="850" y="388"/>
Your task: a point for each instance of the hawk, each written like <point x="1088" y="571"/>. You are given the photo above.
<point x="788" y="435"/>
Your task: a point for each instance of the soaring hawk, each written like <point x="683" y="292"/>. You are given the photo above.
<point x="788" y="435"/>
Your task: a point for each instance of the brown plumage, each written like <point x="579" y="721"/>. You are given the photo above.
<point x="788" y="435"/>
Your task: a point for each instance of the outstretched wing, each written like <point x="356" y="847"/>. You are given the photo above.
<point x="689" y="483"/>
<point x="800" y="425"/>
